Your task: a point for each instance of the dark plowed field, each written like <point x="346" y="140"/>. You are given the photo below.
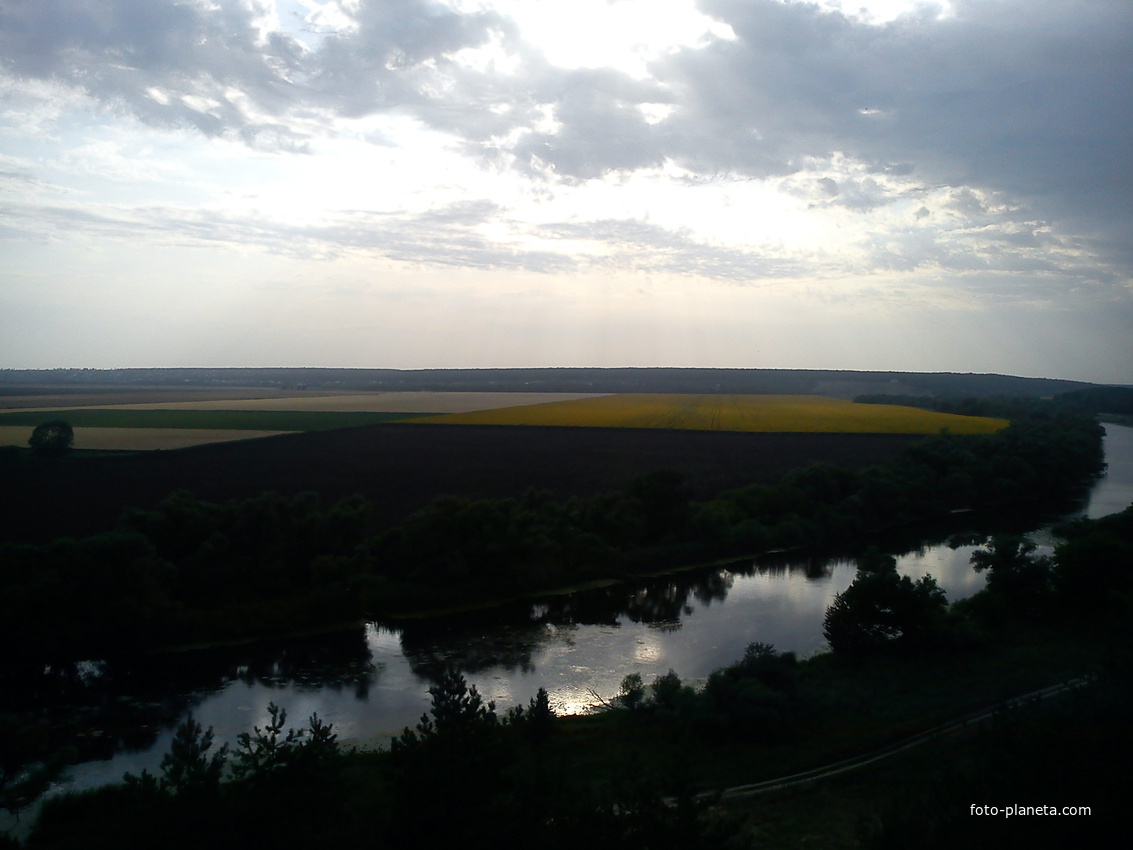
<point x="400" y="468"/>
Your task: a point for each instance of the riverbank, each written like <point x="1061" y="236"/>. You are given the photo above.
<point x="839" y="709"/>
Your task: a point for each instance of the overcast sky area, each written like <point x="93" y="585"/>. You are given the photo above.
<point x="918" y="186"/>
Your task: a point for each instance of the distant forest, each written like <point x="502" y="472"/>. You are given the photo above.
<point x="845" y="384"/>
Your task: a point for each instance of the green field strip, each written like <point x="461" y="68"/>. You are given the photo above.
<point x="237" y="420"/>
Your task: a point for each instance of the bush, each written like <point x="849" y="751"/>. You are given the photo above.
<point x="632" y="694"/>
<point x="755" y="698"/>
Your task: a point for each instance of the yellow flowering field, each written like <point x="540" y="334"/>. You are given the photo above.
<point x="767" y="413"/>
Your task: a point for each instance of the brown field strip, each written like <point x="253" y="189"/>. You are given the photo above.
<point x="396" y="402"/>
<point x="48" y="400"/>
<point x="753" y="413"/>
<point x="137" y="439"/>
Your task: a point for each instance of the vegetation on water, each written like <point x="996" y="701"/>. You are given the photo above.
<point x="766" y="413"/>
<point x="627" y="776"/>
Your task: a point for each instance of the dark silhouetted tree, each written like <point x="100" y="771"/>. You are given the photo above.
<point x="52" y="439"/>
<point x="1014" y="572"/>
<point x="266" y="752"/>
<point x="188" y="767"/>
<point x="881" y="608"/>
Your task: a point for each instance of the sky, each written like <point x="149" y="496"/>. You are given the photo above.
<point x="890" y="185"/>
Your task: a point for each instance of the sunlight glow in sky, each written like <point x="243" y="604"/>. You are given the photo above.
<point x="900" y="185"/>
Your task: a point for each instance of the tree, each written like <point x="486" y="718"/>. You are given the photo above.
<point x="188" y="767"/>
<point x="448" y="772"/>
<point x="458" y="736"/>
<point x="882" y="608"/>
<point x="1014" y="572"/>
<point x="268" y="751"/>
<point x="537" y="720"/>
<point x="632" y="694"/>
<point x="667" y="691"/>
<point x="1091" y="565"/>
<point x="51" y="439"/>
<point x="458" y="711"/>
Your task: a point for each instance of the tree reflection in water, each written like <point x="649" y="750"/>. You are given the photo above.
<point x="511" y="636"/>
<point x="102" y="707"/>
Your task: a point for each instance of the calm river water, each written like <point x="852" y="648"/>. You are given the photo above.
<point x="373" y="681"/>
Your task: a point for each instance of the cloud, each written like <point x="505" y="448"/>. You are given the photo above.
<point x="621" y="244"/>
<point x="1027" y="99"/>
<point x="186" y="64"/>
<point x="211" y="66"/>
<point x="448" y="235"/>
<point x="994" y="139"/>
<point x="1000" y="95"/>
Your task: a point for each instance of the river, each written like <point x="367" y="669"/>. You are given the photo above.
<point x="372" y="681"/>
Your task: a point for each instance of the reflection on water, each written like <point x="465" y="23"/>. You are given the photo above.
<point x="1114" y="492"/>
<point x="372" y="681"/>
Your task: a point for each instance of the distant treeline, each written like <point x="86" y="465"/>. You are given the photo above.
<point x="189" y="570"/>
<point x="1092" y="400"/>
<point x="844" y="384"/>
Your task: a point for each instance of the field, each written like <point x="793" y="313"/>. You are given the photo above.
<point x="751" y="413"/>
<point x="168" y="419"/>
<point x="415" y="402"/>
<point x="246" y="420"/>
<point x="40" y="397"/>
<point x="176" y="419"/>
<point x="137" y="439"/>
<point x="485" y="449"/>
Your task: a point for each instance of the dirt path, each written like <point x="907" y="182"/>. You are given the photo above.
<point x="737" y="792"/>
